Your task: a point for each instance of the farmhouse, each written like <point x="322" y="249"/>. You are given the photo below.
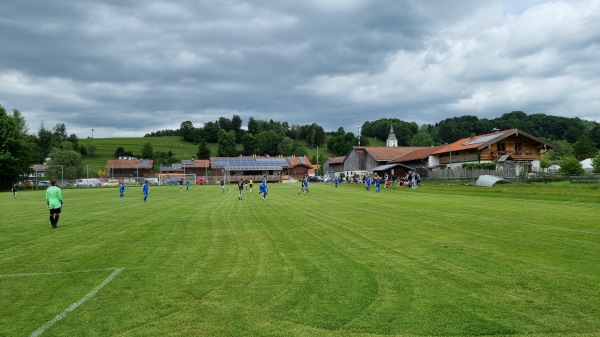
<point x="234" y="169"/>
<point x="129" y="168"/>
<point x="513" y="150"/>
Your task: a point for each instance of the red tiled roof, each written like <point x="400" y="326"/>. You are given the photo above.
<point x="130" y="164"/>
<point x="417" y="154"/>
<point x="387" y="153"/>
<point x="295" y="161"/>
<point x="482" y="141"/>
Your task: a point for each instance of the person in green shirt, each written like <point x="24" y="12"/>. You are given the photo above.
<point x="54" y="202"/>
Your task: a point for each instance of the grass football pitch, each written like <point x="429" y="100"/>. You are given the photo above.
<point x="440" y="260"/>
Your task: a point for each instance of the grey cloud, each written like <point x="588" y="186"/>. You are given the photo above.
<point x="127" y="66"/>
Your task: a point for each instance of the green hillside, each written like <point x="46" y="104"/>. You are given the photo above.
<point x="106" y="147"/>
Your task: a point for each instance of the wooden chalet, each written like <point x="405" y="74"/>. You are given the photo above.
<point x="129" y="168"/>
<point x="500" y="147"/>
<point x="298" y="167"/>
<point x="333" y="165"/>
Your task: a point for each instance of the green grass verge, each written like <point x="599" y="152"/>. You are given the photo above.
<point x="440" y="260"/>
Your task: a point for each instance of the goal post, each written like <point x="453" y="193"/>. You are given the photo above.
<point x="173" y="178"/>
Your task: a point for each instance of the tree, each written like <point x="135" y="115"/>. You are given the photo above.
<point x="60" y="133"/>
<point x="64" y="164"/>
<point x="236" y="126"/>
<point x="91" y="149"/>
<point x="249" y="144"/>
<point x="227" y="144"/>
<point x="253" y="126"/>
<point x="266" y="142"/>
<point x="422" y="138"/>
<point x="119" y="151"/>
<point x="585" y="148"/>
<point x="16" y="156"/>
<point x="562" y="149"/>
<point x="187" y="131"/>
<point x="596" y="163"/>
<point x="570" y="166"/>
<point x="286" y="147"/>
<point x="147" y="151"/>
<point x="211" y="132"/>
<point x="203" y="150"/>
<point x="225" y="124"/>
<point x="342" y="143"/>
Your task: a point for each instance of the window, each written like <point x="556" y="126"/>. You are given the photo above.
<point x="501" y="147"/>
<point x="518" y="146"/>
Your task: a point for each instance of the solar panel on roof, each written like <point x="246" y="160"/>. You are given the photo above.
<point x="188" y="162"/>
<point x="144" y="163"/>
<point x="483" y="139"/>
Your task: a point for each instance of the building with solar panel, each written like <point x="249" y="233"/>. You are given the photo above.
<point x="234" y="169"/>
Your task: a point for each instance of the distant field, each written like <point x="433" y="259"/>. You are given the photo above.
<point x="106" y="147"/>
<point x="442" y="260"/>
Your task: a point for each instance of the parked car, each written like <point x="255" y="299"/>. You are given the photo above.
<point x="317" y="179"/>
<point x="87" y="183"/>
<point x="152" y="181"/>
<point x="63" y="184"/>
<point x="171" y="181"/>
<point x="43" y="184"/>
<point x="111" y="183"/>
<point x="202" y="181"/>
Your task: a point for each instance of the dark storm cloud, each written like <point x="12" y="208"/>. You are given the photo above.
<point x="131" y="67"/>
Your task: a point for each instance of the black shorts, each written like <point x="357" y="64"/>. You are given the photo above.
<point x="55" y="210"/>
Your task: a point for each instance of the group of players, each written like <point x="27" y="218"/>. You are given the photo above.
<point x="242" y="184"/>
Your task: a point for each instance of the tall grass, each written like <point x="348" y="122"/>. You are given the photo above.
<point x="441" y="260"/>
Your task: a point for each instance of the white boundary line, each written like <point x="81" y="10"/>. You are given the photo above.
<point x="56" y="273"/>
<point x="74" y="306"/>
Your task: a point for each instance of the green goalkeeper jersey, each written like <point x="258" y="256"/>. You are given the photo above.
<point x="54" y="197"/>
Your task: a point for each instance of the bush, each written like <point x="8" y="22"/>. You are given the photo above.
<point x="570" y="166"/>
<point x="483" y="166"/>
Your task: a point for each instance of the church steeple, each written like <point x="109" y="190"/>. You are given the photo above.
<point x="391" y="140"/>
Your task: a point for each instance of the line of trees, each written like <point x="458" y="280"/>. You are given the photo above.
<point x="19" y="150"/>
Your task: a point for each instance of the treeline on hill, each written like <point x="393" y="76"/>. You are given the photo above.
<point x="260" y="137"/>
<point x="573" y="136"/>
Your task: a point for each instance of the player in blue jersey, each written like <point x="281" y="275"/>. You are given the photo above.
<point x="304" y="187"/>
<point x="145" y="190"/>
<point x="336" y="181"/>
<point x="187" y="184"/>
<point x="263" y="188"/>
<point x="368" y="183"/>
<point x="122" y="189"/>
<point x="377" y="182"/>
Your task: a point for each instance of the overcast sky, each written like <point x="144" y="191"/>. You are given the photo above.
<point x="129" y="67"/>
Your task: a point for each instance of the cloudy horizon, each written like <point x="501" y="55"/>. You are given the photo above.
<point x="127" y="68"/>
